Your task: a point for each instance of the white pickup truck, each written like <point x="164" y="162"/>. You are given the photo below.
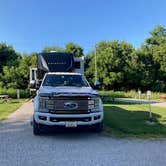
<point x="65" y="99"/>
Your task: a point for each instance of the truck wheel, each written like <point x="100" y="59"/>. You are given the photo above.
<point x="36" y="128"/>
<point x="97" y="127"/>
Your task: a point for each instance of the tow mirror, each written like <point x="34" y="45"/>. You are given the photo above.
<point x="96" y="85"/>
<point x="32" y="84"/>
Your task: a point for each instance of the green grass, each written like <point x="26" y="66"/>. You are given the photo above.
<point x="130" y="94"/>
<point x="121" y="120"/>
<point x="130" y="120"/>
<point x="6" y="108"/>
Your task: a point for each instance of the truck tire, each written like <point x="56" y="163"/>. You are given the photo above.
<point x="98" y="127"/>
<point x="36" y="128"/>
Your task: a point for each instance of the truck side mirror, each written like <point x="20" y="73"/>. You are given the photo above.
<point x="96" y="85"/>
<point x="32" y="84"/>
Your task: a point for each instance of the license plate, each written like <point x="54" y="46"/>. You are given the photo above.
<point x="71" y="124"/>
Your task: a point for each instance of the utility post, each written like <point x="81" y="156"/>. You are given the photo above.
<point x="139" y="94"/>
<point x="96" y="83"/>
<point x="18" y="93"/>
<point x="150" y="111"/>
<point x="95" y="67"/>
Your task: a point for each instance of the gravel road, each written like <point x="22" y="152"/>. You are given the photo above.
<point x="161" y="104"/>
<point x="141" y="101"/>
<point x="19" y="147"/>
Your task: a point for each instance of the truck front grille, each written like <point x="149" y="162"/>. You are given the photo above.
<point x="81" y="104"/>
<point x="56" y="105"/>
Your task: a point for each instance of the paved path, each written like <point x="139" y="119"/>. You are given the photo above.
<point x="135" y="101"/>
<point x="19" y="147"/>
<point x="162" y="104"/>
<point x="141" y="101"/>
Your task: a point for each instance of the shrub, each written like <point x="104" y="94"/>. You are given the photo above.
<point x="24" y="93"/>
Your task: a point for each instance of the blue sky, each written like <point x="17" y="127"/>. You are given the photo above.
<point x="30" y="25"/>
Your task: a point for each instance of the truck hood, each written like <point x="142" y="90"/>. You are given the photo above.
<point x="70" y="91"/>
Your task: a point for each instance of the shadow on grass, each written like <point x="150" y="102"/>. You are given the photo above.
<point x="122" y="122"/>
<point x="14" y="102"/>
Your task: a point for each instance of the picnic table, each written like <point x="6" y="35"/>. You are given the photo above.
<point x="5" y="98"/>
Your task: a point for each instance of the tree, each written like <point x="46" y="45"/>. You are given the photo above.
<point x="112" y="60"/>
<point x="10" y="77"/>
<point x="17" y="76"/>
<point x="8" y="56"/>
<point x="155" y="48"/>
<point x="53" y="48"/>
<point x="9" y="60"/>
<point x="119" y="65"/>
<point x="23" y="70"/>
<point x="33" y="59"/>
<point x="89" y="67"/>
<point x="75" y="49"/>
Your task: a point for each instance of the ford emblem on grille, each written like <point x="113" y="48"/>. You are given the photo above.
<point x="70" y="105"/>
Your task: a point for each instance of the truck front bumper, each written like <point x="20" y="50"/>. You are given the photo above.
<point x="62" y="119"/>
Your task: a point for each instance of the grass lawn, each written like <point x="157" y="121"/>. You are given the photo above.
<point x="130" y="120"/>
<point x="9" y="107"/>
<point x="129" y="94"/>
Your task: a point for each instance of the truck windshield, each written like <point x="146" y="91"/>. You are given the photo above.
<point x="65" y="80"/>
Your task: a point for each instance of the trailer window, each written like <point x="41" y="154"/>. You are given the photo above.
<point x="77" y="65"/>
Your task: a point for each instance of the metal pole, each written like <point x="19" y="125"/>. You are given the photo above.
<point x="139" y="94"/>
<point x="18" y="93"/>
<point x="150" y="111"/>
<point x="95" y="66"/>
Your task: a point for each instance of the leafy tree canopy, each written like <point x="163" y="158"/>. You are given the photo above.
<point x="75" y="49"/>
<point x="8" y="56"/>
<point x="119" y="65"/>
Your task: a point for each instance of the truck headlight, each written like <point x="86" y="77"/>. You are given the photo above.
<point x="45" y="104"/>
<point x="98" y="106"/>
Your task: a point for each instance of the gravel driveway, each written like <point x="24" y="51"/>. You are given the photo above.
<point x="19" y="147"/>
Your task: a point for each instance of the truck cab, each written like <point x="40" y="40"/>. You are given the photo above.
<point x="65" y="99"/>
